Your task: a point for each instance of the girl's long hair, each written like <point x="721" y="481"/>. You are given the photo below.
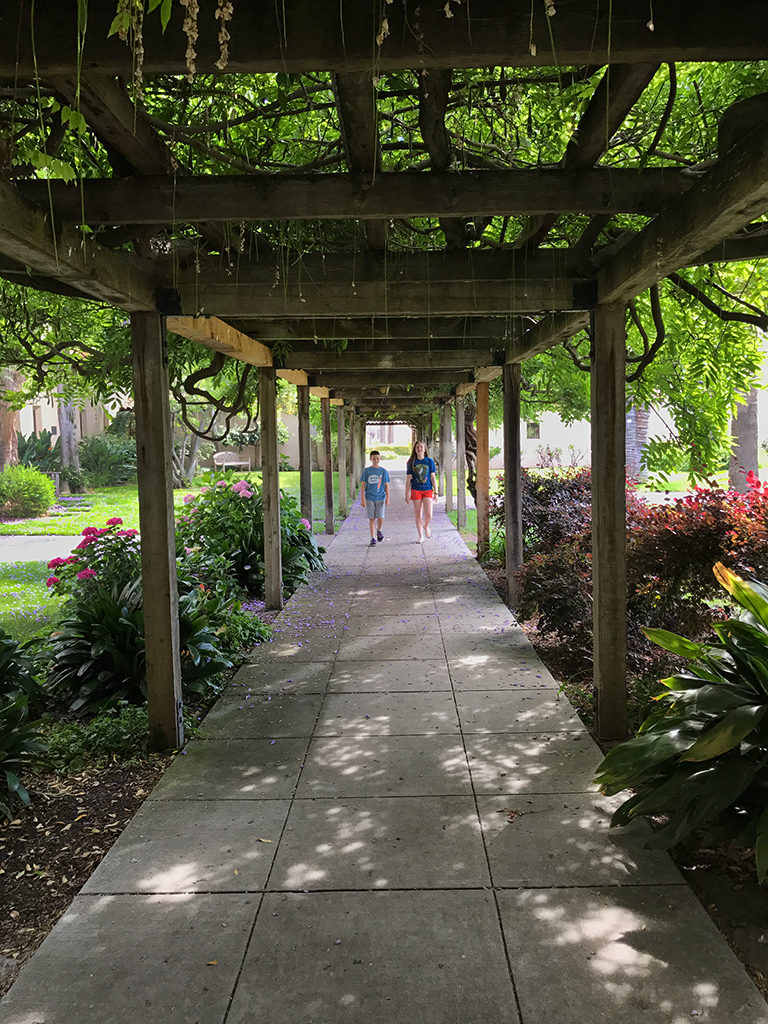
<point x="409" y="464"/>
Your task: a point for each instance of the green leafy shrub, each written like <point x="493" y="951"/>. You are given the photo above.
<point x="108" y="460"/>
<point x="108" y="555"/>
<point x="17" y="675"/>
<point x="98" y="656"/>
<point x="40" y="451"/>
<point x="701" y="760"/>
<point x="18" y="744"/>
<point x="25" y="492"/>
<point x="227" y="520"/>
<point x="556" y="507"/>
<point x="119" y="732"/>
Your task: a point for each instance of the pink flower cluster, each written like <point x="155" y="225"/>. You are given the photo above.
<point x="306" y="524"/>
<point x="89" y="535"/>
<point x="242" y="487"/>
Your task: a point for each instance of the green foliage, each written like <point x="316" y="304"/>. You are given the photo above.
<point x="106" y="556"/>
<point x="227" y="520"/>
<point x="40" y="451"/>
<point x="108" y="460"/>
<point x="121" y="731"/>
<point x="98" y="656"/>
<point x="18" y="743"/>
<point x="25" y="492"/>
<point x="701" y="760"/>
<point x="17" y="677"/>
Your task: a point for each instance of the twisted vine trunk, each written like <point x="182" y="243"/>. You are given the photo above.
<point x="470" y="445"/>
<point x="10" y="380"/>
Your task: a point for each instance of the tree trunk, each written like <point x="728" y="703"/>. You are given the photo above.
<point x="470" y="444"/>
<point x="745" y="445"/>
<point x="10" y="380"/>
<point x="70" y="454"/>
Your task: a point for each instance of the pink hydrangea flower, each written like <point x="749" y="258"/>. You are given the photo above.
<point x="187" y="498"/>
<point x="52" y="581"/>
<point x="306" y="524"/>
<point x="86" y="574"/>
<point x="85" y="542"/>
<point x="222" y="483"/>
<point x="116" y="521"/>
<point x="90" y="531"/>
<point x="127" y="533"/>
<point x="56" y="562"/>
<point x="71" y="560"/>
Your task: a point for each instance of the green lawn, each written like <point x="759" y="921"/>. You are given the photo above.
<point x="73" y="514"/>
<point x="26" y="605"/>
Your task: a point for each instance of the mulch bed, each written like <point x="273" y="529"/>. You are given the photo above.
<point x="49" y="851"/>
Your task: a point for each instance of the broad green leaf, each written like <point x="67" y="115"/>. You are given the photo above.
<point x="761" y="847"/>
<point x="726" y="734"/>
<point x="742" y="592"/>
<point x="674" y="643"/>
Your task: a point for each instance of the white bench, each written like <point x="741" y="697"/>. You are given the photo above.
<point x="231" y="460"/>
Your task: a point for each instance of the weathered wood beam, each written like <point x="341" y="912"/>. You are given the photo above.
<point x="325" y="412"/>
<point x="270" y="488"/>
<point x="483" y="478"/>
<point x="616" y="93"/>
<point x="726" y="198"/>
<point x="358" y="117"/>
<point x="341" y="447"/>
<point x="163" y="200"/>
<point x="434" y="88"/>
<point x="396" y="359"/>
<point x="305" y="457"/>
<point x="71" y="258"/>
<point x="419" y="378"/>
<point x="385" y="329"/>
<point x="551" y="330"/>
<point x="215" y="334"/>
<point x="609" y="585"/>
<point x="461" y="464"/>
<point x="228" y="298"/>
<point x="513" y="484"/>
<point x="340" y="35"/>
<point x="154" y="444"/>
<point x="437" y="346"/>
<point x="292" y="376"/>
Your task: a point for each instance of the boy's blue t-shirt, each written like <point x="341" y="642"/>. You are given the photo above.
<point x="421" y="471"/>
<point x="374" y="478"/>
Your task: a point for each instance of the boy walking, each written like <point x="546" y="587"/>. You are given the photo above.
<point x="374" y="495"/>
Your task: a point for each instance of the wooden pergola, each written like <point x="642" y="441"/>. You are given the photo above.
<point x="422" y="328"/>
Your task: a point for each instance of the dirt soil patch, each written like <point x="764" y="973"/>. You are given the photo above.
<point x="49" y="851"/>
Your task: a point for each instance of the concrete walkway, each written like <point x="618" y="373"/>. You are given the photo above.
<point x="388" y="817"/>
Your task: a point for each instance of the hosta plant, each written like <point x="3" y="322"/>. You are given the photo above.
<point x="700" y="761"/>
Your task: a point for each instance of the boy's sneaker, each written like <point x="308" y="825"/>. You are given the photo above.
<point x="373" y="542"/>
<point x="379" y="536"/>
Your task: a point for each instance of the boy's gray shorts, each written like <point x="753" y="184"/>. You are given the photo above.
<point x="375" y="509"/>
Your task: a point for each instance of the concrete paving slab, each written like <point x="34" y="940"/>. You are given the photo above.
<point x="558" y="762"/>
<point x="389" y="676"/>
<point x="263" y="716"/>
<point x="306" y="647"/>
<point x="506" y="644"/>
<point x="280" y="677"/>
<point x="387" y="714"/>
<point x="370" y="958"/>
<point x="417" y="604"/>
<point x="402" y="647"/>
<point x="484" y="672"/>
<point x="233" y="770"/>
<point x="381" y="843"/>
<point x="351" y="766"/>
<point x="566" y="839"/>
<point x="521" y="710"/>
<point x="630" y="953"/>
<point x="197" y="846"/>
<point x="392" y="625"/>
<point x="135" y="958"/>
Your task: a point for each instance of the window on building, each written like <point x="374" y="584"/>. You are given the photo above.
<point x="533" y="431"/>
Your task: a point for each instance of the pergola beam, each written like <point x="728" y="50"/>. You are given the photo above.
<point x="725" y="199"/>
<point x="166" y="200"/>
<point x="215" y="334"/>
<point x="395" y="359"/>
<point x="340" y="35"/>
<point x="71" y="258"/>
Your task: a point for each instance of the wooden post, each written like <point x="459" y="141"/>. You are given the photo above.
<point x="353" y="476"/>
<point x="154" y="445"/>
<point x="273" y="566"/>
<point x="483" y="470"/>
<point x="341" y="428"/>
<point x="609" y="545"/>
<point x="513" y="490"/>
<point x="325" y="408"/>
<point x="305" y="455"/>
<point x="448" y="460"/>
<point x="461" y="465"/>
<point x="442" y="457"/>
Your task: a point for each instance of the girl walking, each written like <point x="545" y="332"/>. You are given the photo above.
<point x="420" y="488"/>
